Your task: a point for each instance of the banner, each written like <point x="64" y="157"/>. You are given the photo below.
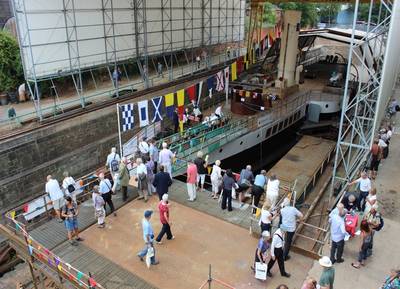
<point x="191" y="90"/>
<point x="210" y="85"/>
<point x="199" y="88"/>
<point x="143" y="113"/>
<point x="226" y="74"/>
<point x="233" y="71"/>
<point x="127" y="117"/>
<point x="220" y="81"/>
<point x="181" y="103"/>
<point x="157" y="109"/>
<point x="169" y="105"/>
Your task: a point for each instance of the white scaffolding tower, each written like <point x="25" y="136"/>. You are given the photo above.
<point x="363" y="113"/>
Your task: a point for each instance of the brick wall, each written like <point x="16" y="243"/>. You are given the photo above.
<point x="78" y="145"/>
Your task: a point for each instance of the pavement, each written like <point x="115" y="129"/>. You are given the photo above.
<point x="386" y="254"/>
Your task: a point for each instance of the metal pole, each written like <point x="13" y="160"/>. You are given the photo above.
<point x="345" y="98"/>
<point x="209" y="277"/>
<point x="119" y="131"/>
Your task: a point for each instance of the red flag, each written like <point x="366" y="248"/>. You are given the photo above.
<point x="26" y="208"/>
<point x="181" y="110"/>
<point x="239" y="64"/>
<point x="191" y="90"/>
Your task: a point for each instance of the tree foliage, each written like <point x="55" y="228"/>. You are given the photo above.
<point x="11" y="72"/>
<point x="309" y="12"/>
<point x="328" y="12"/>
<point x="363" y="12"/>
<point x="269" y="16"/>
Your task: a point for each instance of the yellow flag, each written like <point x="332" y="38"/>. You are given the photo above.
<point x="169" y="99"/>
<point x="181" y="126"/>
<point x="233" y="71"/>
<point x="59" y="267"/>
<point x="12" y="215"/>
<point x="181" y="97"/>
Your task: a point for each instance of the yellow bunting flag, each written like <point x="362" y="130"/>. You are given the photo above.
<point x="59" y="267"/>
<point x="29" y="241"/>
<point x="181" y="97"/>
<point x="181" y="126"/>
<point x="169" y="99"/>
<point x="12" y="215"/>
<point x="233" y="71"/>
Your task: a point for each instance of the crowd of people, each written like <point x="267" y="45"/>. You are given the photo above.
<point x="154" y="176"/>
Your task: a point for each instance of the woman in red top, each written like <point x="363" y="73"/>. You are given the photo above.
<point x="163" y="208"/>
<point x="376" y="155"/>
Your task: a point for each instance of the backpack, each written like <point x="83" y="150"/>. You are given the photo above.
<point x="381" y="224"/>
<point x="114" y="165"/>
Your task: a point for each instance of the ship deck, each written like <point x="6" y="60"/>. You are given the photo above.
<point x="302" y="164"/>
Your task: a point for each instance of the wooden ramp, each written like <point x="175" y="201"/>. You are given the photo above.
<point x="303" y="164"/>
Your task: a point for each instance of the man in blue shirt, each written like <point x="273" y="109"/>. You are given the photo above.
<point x="289" y="215"/>
<point x="338" y="232"/>
<point x="148" y="237"/>
<point x="258" y="187"/>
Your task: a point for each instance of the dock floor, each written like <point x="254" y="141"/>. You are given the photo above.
<point x="302" y="162"/>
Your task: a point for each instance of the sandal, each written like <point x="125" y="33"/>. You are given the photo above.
<point x="355" y="266"/>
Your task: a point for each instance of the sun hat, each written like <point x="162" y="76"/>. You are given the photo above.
<point x="265" y="234"/>
<point x="325" y="261"/>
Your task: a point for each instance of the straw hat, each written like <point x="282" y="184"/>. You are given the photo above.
<point x="325" y="261"/>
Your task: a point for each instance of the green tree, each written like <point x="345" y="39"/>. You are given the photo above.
<point x="269" y="16"/>
<point x="11" y="73"/>
<point x="328" y="12"/>
<point x="309" y="12"/>
<point x="363" y="12"/>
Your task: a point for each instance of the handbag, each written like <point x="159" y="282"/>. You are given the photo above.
<point x="261" y="271"/>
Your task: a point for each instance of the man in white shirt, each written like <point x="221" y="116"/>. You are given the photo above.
<point x="112" y="162"/>
<point x="141" y="177"/>
<point x="218" y="111"/>
<point x="277" y="254"/>
<point x="289" y="215"/>
<point x="338" y="232"/>
<point x="69" y="186"/>
<point x="364" y="185"/>
<point x="105" y="191"/>
<point x="144" y="147"/>
<point x="273" y="190"/>
<point x="56" y="195"/>
<point x="165" y="158"/>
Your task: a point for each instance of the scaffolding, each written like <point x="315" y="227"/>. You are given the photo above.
<point x="362" y="114"/>
<point x="86" y="41"/>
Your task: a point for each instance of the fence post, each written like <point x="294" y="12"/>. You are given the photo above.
<point x="209" y="277"/>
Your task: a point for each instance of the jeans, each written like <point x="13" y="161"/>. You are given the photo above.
<point x="363" y="254"/>
<point x="362" y="201"/>
<point x="108" y="200"/>
<point x="337" y="250"/>
<point x="288" y="243"/>
<point x="226" y="196"/>
<point x="257" y="192"/>
<point x="124" y="190"/>
<point x="166" y="229"/>
<point x="143" y="253"/>
<point x="281" y="262"/>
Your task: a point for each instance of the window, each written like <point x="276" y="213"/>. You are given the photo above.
<point x="280" y="125"/>
<point x="268" y="134"/>
<point x="274" y="129"/>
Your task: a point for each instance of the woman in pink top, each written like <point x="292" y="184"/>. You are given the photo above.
<point x="191" y="180"/>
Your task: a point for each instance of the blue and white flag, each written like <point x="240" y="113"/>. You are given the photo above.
<point x="157" y="109"/>
<point x="143" y="113"/>
<point x="127" y="117"/>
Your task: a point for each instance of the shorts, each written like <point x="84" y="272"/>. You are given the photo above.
<point x="58" y="204"/>
<point x="201" y="177"/>
<point x="71" y="224"/>
<point x="374" y="164"/>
